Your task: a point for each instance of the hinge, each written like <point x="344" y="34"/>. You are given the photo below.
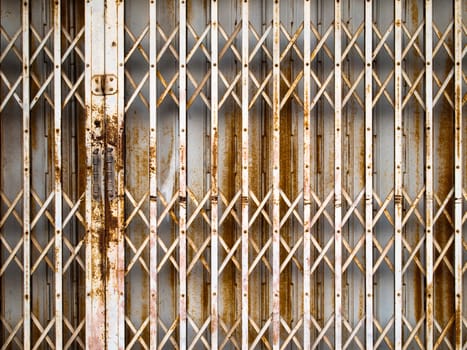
<point x="104" y="84"/>
<point x="104" y="180"/>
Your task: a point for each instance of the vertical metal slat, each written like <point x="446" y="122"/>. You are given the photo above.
<point x="337" y="175"/>
<point x="153" y="298"/>
<point x="307" y="176"/>
<point x="276" y="177"/>
<point x="95" y="216"/>
<point x="429" y="172"/>
<point x="245" y="178"/>
<point x="119" y="168"/>
<point x="369" y="174"/>
<point x="58" y="173"/>
<point x="114" y="174"/>
<point x="398" y="175"/>
<point x="26" y="182"/>
<point x="458" y="47"/>
<point x="88" y="206"/>
<point x="182" y="176"/>
<point x="214" y="182"/>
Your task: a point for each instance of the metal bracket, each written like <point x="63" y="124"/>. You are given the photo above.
<point x="104" y="84"/>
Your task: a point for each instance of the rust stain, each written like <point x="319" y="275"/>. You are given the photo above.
<point x="255" y="234"/>
<point x="96" y="235"/>
<point x="97" y="112"/>
<point x="417" y="278"/>
<point x="166" y="160"/>
<point x="458" y="325"/>
<point x="193" y="7"/>
<point x="214" y="165"/>
<point x="138" y="164"/>
<point x="414" y="14"/>
<point x="360" y="156"/>
<point x="112" y="130"/>
<point x="34" y="131"/>
<point x="287" y="162"/>
<point x="81" y="155"/>
<point x="458" y="113"/>
<point x="361" y="303"/>
<point x="415" y="148"/>
<point x="444" y="175"/>
<point x="228" y="175"/>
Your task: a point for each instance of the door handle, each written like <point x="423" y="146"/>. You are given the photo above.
<point x="96" y="174"/>
<point x="110" y="172"/>
<point x="99" y="182"/>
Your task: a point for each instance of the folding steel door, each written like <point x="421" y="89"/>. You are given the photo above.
<point x="233" y="174"/>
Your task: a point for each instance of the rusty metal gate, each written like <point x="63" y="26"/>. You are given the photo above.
<point x="233" y="174"/>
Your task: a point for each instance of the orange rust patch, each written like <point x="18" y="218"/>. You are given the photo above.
<point x="444" y="175"/>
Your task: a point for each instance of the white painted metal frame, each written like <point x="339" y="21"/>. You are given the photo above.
<point x="337" y="175"/>
<point x="58" y="174"/>
<point x="182" y="177"/>
<point x="153" y="213"/>
<point x="458" y="173"/>
<point x="113" y="175"/>
<point x="245" y="174"/>
<point x="214" y="177"/>
<point x="307" y="198"/>
<point x="276" y="241"/>
<point x="276" y="98"/>
<point x="95" y="216"/>
<point x="429" y="171"/>
<point x="398" y="198"/>
<point x="26" y="182"/>
<point x="369" y="174"/>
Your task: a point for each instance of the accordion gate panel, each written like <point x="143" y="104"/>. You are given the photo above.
<point x="235" y="174"/>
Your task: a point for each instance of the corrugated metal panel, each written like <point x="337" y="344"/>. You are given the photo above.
<point x="233" y="174"/>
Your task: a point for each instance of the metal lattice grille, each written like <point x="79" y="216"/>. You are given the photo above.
<point x="233" y="174"/>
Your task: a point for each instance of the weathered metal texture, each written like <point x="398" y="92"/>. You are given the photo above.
<point x="233" y="174"/>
